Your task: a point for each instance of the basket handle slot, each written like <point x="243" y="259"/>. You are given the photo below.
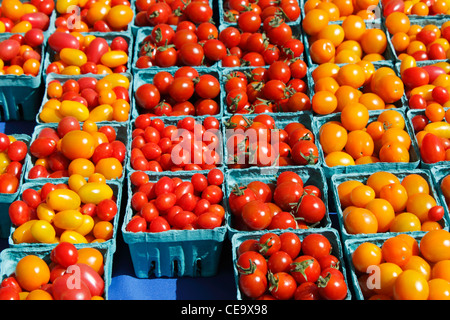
<point x="152" y="269"/>
<point x="198" y="267"/>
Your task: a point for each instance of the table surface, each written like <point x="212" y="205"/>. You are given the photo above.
<point x="126" y="286"/>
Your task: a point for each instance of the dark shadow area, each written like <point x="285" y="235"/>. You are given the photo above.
<point x="23" y="127"/>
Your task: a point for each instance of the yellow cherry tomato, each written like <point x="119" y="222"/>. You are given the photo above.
<point x="111" y="168"/>
<point x="86" y="227"/>
<point x="72" y="236"/>
<point x="63" y="199"/>
<point x="119" y="16"/>
<point x="77" y="144"/>
<point x="71" y="71"/>
<point x="75" y="109"/>
<point x="43" y="232"/>
<point x="44" y="212"/>
<point x="4" y="161"/>
<point x="76" y="181"/>
<point x="118" y="80"/>
<point x="114" y="58"/>
<point x="48" y="115"/>
<point x="339" y="158"/>
<point x="68" y="219"/>
<point x="22" y="27"/>
<point x="439" y="128"/>
<point x="62" y="6"/>
<point x="22" y="234"/>
<point x="73" y="57"/>
<point x="94" y="192"/>
<point x="103" y="112"/>
<point x="81" y="166"/>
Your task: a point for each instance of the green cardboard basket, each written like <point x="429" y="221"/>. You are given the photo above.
<point x="174" y="253"/>
<point x="331" y="234"/>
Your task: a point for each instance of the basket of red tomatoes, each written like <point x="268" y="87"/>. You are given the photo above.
<point x="175" y="225"/>
<point x="276" y="198"/>
<point x="185" y="91"/>
<point x="290" y="265"/>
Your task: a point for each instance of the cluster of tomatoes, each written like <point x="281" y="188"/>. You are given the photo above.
<point x="172" y="203"/>
<point x="273" y="40"/>
<point x="339" y="9"/>
<point x="79" y="211"/>
<point x="186" y="144"/>
<point x="12" y="157"/>
<point x="287" y="203"/>
<point x="431" y="137"/>
<point x="406" y="267"/>
<point x="93" y="16"/>
<point x="257" y="141"/>
<point x="360" y="82"/>
<point x="281" y="87"/>
<point x="356" y="139"/>
<point x="87" y="99"/>
<point x="427" y="86"/>
<point x="419" y="8"/>
<point x="185" y="44"/>
<point x="75" y="53"/>
<point x="186" y="92"/>
<point x="285" y="267"/>
<point x="387" y="202"/>
<point x="70" y="148"/>
<point x="50" y="277"/>
<point x="428" y="42"/>
<point x="154" y="12"/>
<point x="22" y="54"/>
<point x="350" y="41"/>
<point x="19" y="17"/>
<point x="247" y="14"/>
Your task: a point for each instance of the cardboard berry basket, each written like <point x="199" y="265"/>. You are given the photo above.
<point x="117" y="188"/>
<point x="139" y="38"/>
<point x="434" y="20"/>
<point x="228" y="72"/>
<point x="330" y="233"/>
<point x="337" y="179"/>
<point x="413" y="163"/>
<point x="370" y="24"/>
<point x="10" y="257"/>
<point x="146" y="76"/>
<point x="350" y="246"/>
<point x="242" y="177"/>
<point x="281" y="120"/>
<point x="174" y="253"/>
<point x="20" y="96"/>
<point x="174" y="121"/>
<point x="64" y="78"/>
<point x="410" y="115"/>
<point x="135" y="28"/>
<point x="7" y="198"/>
<point x="108" y="36"/>
<point x="121" y="135"/>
